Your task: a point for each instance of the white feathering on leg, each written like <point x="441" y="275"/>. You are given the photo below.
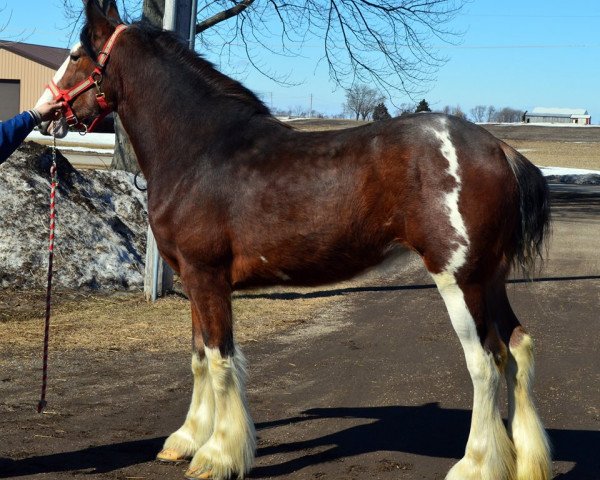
<point x="230" y="449"/>
<point x="528" y="434"/>
<point x="199" y="422"/>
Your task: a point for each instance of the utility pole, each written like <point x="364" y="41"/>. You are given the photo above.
<point x="310" y="110"/>
<point x="179" y="17"/>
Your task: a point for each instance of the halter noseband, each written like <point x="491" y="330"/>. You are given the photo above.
<point x="67" y="97"/>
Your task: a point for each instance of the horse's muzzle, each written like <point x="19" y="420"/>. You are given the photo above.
<point x="57" y="128"/>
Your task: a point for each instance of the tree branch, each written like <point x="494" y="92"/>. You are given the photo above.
<point x="222" y="16"/>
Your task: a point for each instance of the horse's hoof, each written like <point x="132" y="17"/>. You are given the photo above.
<point x="169" y="455"/>
<point x="198" y="474"/>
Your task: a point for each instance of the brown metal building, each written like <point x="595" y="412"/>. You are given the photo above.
<point x="24" y="71"/>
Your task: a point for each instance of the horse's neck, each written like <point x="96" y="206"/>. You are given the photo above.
<point x="160" y="118"/>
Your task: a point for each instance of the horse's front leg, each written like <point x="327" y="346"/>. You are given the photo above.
<point x="198" y="426"/>
<point x="229" y="450"/>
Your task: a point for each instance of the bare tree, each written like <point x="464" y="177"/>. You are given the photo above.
<point x="478" y="113"/>
<point x="361" y="100"/>
<point x="491" y="113"/>
<point x="457" y="111"/>
<point x="509" y="115"/>
<point x="405" y="109"/>
<point x="299" y="111"/>
<point x="385" y="43"/>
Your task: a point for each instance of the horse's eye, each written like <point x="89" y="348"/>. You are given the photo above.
<point x="74" y="58"/>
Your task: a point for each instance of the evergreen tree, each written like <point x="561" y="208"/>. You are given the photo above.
<point x="423" y="106"/>
<point x="381" y="112"/>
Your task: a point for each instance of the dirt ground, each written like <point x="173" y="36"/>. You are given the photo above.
<point x="360" y="380"/>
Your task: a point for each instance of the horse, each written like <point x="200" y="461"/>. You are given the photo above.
<point x="238" y="199"/>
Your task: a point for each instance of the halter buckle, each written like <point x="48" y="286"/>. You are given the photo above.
<point x="97" y="77"/>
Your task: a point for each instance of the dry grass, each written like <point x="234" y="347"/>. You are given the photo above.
<point x="560" y="154"/>
<point x="125" y="321"/>
<point x="322" y="124"/>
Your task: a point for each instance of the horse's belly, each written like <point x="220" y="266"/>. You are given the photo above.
<point x="306" y="267"/>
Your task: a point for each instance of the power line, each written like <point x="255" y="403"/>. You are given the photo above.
<point x="524" y="15"/>
<point x="510" y="47"/>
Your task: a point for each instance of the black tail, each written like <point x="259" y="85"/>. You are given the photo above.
<point x="531" y="238"/>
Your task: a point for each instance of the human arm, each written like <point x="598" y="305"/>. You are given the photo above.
<point x="14" y="130"/>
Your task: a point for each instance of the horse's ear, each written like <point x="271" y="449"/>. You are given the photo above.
<point x="112" y="12"/>
<point x="102" y="18"/>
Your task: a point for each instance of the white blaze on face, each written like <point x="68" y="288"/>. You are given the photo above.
<point x="58" y="128"/>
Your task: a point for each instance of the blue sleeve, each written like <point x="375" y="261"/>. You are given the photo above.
<point x="13" y="132"/>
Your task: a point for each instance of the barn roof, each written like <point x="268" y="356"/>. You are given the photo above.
<point x="557" y="112"/>
<point x="52" y="57"/>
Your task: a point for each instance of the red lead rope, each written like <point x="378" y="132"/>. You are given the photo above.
<point x="54" y="183"/>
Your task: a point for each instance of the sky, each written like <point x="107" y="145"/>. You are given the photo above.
<point x="514" y="53"/>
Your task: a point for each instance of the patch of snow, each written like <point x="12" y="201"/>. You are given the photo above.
<point x="577" y="176"/>
<point x="102" y="140"/>
<point x="100" y="229"/>
<point x="291" y="119"/>
<point x="539" y="124"/>
<point x="86" y="150"/>
<point x="567" y="171"/>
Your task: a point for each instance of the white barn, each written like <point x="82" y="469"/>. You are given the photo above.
<point x="577" y="116"/>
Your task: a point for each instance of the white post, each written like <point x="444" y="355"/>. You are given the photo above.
<point x="158" y="278"/>
<point x="180" y="17"/>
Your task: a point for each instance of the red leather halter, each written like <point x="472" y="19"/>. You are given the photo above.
<point x="67" y="97"/>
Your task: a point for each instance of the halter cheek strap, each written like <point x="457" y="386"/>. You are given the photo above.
<point x="68" y="96"/>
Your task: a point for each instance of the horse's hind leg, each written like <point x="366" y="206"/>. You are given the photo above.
<point x="198" y="425"/>
<point x="229" y="451"/>
<point x="489" y="454"/>
<point x="525" y="427"/>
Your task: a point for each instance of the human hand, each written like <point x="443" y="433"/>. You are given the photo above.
<point x="50" y="111"/>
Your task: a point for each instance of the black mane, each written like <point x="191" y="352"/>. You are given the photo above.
<point x="218" y="83"/>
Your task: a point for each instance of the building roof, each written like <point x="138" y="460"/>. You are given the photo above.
<point x="557" y="112"/>
<point x="52" y="57"/>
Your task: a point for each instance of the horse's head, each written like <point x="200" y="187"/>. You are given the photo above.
<point x="84" y="82"/>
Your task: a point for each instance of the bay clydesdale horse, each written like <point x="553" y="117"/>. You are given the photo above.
<point x="237" y="199"/>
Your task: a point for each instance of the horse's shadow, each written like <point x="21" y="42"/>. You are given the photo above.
<point x="95" y="459"/>
<point x="425" y="430"/>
